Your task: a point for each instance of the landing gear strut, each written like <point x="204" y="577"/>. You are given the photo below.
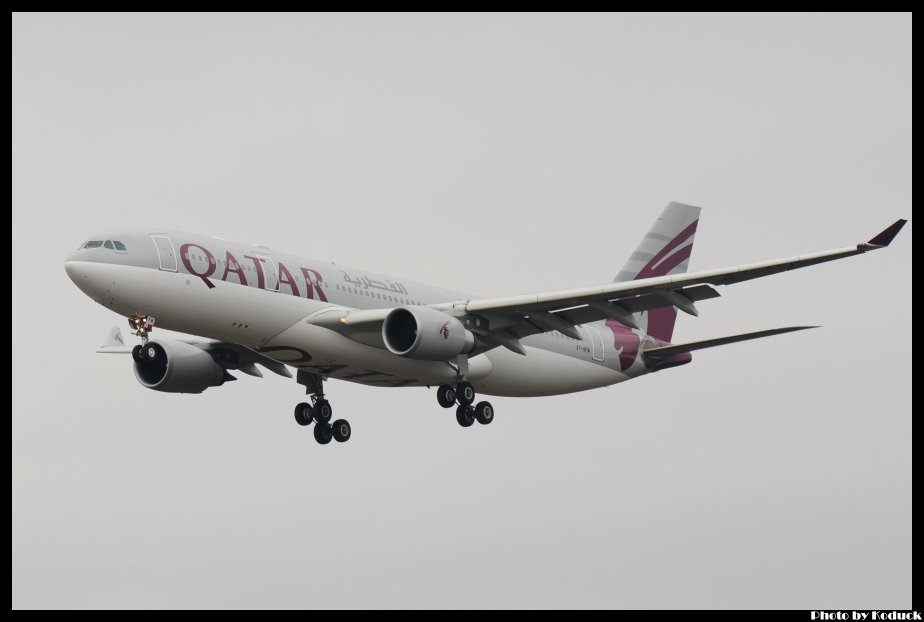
<point x="141" y="325"/>
<point x="319" y="411"/>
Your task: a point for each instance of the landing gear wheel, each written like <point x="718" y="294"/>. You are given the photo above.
<point x="465" y="393"/>
<point x="484" y="413"/>
<point x="323" y="433"/>
<point x="323" y="411"/>
<point x="465" y="415"/>
<point x="446" y="396"/>
<point x="341" y="430"/>
<point x="137" y="354"/>
<point x="303" y="414"/>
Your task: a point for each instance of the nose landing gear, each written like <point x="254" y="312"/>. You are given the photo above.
<point x="141" y="325"/>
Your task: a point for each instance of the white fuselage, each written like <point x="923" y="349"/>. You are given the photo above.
<point x="266" y="300"/>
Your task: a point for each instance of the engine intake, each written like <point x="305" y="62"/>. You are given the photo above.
<point x="176" y="367"/>
<point x="426" y="334"/>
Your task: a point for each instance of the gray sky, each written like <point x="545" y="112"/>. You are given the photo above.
<point x="498" y="155"/>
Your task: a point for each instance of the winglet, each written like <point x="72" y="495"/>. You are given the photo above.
<point x="886" y="236"/>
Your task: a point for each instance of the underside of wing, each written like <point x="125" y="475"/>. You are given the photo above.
<point x="654" y="355"/>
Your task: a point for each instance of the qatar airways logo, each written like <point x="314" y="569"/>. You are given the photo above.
<point x="199" y="261"/>
<point x="444" y="331"/>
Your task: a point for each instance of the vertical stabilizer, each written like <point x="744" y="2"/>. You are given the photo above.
<point x="664" y="250"/>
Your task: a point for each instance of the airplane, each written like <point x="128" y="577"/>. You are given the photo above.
<point x="257" y="307"/>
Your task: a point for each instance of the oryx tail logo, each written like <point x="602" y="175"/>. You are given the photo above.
<point x="444" y="330"/>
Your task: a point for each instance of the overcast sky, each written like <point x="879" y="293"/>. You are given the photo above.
<point x="499" y="155"/>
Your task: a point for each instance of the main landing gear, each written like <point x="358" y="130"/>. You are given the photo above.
<point x="463" y="394"/>
<point x="320" y="412"/>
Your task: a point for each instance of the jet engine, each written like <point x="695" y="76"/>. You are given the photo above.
<point x="426" y="334"/>
<point x="176" y="367"/>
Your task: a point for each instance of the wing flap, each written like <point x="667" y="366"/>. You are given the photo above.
<point x="620" y="292"/>
<point x="597" y="311"/>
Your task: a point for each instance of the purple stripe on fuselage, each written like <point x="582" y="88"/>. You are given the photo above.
<point x="674" y="260"/>
<point x="652" y="268"/>
<point x="660" y="321"/>
<point x="626" y="343"/>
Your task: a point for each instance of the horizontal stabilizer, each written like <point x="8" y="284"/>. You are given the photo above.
<point x="656" y="354"/>
<point x="228" y="355"/>
<point x="115" y="343"/>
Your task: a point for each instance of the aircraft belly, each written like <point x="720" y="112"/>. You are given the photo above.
<point x="274" y="324"/>
<point x="542" y="372"/>
<point x="316" y="349"/>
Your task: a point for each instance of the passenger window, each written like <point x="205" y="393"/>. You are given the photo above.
<point x="93" y="244"/>
<point x="119" y="246"/>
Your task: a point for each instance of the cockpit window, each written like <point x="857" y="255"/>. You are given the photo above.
<point x="108" y="244"/>
<point x="93" y="244"/>
<point x="119" y="246"/>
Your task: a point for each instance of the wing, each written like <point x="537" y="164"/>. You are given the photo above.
<point x="516" y="317"/>
<point x="504" y="321"/>
<point x="229" y="355"/>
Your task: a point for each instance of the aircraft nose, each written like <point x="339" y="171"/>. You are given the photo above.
<point x="85" y="275"/>
<point x="78" y="264"/>
<point x="73" y="270"/>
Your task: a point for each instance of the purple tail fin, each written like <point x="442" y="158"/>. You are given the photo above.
<point x="664" y="250"/>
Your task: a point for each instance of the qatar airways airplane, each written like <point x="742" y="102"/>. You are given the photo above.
<point x="256" y="306"/>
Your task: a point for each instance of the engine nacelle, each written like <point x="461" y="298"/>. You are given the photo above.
<point x="176" y="367"/>
<point x="426" y="334"/>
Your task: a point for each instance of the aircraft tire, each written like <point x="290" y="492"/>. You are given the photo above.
<point x="446" y="395"/>
<point x="341" y="430"/>
<point x="303" y="413"/>
<point x="465" y="415"/>
<point x="323" y="433"/>
<point x="484" y="413"/>
<point x="323" y="411"/>
<point x="465" y="394"/>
